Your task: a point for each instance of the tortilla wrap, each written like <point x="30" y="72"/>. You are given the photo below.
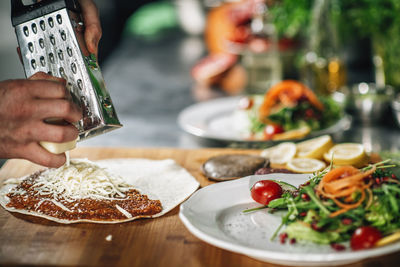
<point x="162" y="180"/>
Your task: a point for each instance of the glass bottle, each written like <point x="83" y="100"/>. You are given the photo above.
<point x="261" y="60"/>
<point x="323" y="69"/>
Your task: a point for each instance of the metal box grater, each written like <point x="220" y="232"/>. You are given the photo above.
<point x="50" y="37"/>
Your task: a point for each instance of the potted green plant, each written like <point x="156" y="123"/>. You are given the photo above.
<point x="375" y="20"/>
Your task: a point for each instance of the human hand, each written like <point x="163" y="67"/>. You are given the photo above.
<point x="91" y="20"/>
<point x="24" y="105"/>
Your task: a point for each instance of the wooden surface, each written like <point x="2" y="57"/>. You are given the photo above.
<point x="164" y="241"/>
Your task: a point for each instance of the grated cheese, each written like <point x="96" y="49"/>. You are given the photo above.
<point x="126" y="213"/>
<point x="60" y="205"/>
<point x="80" y="179"/>
<point x="67" y="158"/>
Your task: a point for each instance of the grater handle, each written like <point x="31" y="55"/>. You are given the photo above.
<point x="21" y="13"/>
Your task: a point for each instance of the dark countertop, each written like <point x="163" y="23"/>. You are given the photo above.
<point x="150" y="84"/>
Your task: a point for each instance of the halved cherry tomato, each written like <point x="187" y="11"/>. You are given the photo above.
<point x="364" y="237"/>
<point x="265" y="190"/>
<point x="271" y="129"/>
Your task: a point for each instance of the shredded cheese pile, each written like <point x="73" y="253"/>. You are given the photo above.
<point x="81" y="179"/>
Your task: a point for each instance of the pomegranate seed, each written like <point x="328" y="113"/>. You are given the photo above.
<point x="394" y="176"/>
<point x="347" y="221"/>
<point x="304" y="196"/>
<point x="338" y="247"/>
<point x="293" y="241"/>
<point x="315" y="227"/>
<point x="385" y="179"/>
<point x="377" y="180"/>
<point x="283" y="237"/>
<point x="302" y="214"/>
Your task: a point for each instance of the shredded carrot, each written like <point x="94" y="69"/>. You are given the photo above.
<point x="312" y="98"/>
<point x="345" y="192"/>
<point x="339" y="172"/>
<point x="287" y="93"/>
<point x="341" y="183"/>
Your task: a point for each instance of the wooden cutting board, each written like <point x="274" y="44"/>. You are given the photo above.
<point x="164" y="241"/>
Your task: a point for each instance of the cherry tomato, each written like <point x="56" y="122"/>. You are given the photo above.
<point x="271" y="129"/>
<point x="364" y="237"/>
<point x="265" y="190"/>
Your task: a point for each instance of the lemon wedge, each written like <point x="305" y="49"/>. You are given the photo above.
<point x="280" y="154"/>
<point x="347" y="154"/>
<point x="314" y="148"/>
<point x="388" y="239"/>
<point x="305" y="165"/>
<point x="292" y="134"/>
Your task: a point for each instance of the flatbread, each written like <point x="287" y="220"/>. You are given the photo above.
<point x="162" y="180"/>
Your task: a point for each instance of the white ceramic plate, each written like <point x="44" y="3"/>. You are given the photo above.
<point x="214" y="215"/>
<point x="214" y="119"/>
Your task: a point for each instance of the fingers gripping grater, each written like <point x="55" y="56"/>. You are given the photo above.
<point x="50" y="37"/>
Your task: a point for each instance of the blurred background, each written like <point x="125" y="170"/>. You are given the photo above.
<point x="159" y="57"/>
<point x="307" y="36"/>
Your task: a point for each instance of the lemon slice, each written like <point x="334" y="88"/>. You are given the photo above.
<point x="292" y="134"/>
<point x="314" y="148"/>
<point x="305" y="165"/>
<point x="280" y="154"/>
<point x="347" y="154"/>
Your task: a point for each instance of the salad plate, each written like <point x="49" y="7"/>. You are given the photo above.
<point x="214" y="119"/>
<point x="215" y="215"/>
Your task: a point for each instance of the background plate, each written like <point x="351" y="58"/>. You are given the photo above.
<point x="213" y="120"/>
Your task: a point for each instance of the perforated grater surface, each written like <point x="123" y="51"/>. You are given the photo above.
<point x="50" y="37"/>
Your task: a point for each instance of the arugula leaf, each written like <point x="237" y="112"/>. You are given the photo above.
<point x="302" y="231"/>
